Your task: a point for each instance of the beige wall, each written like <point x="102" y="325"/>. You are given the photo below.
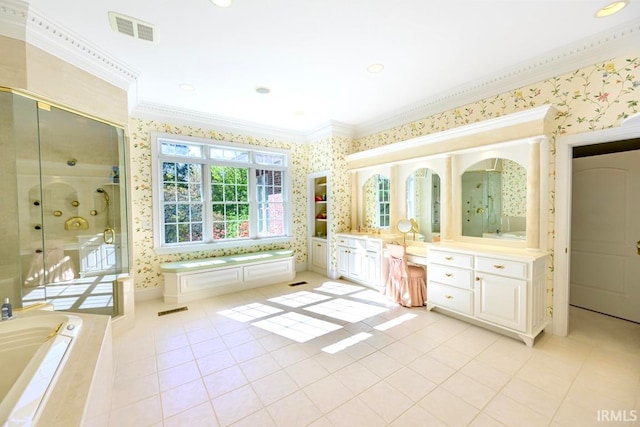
<point x="13" y="63"/>
<point x="34" y="71"/>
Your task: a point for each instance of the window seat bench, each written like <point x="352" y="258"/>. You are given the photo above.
<point x="201" y="278"/>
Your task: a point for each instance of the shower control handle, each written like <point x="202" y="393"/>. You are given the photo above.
<point x="109" y="236"/>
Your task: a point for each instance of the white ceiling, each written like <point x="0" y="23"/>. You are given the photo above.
<point x="313" y="54"/>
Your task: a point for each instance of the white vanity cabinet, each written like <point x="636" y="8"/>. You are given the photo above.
<point x="360" y="259"/>
<point x="505" y="290"/>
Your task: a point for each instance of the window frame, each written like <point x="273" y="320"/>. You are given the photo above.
<point x="206" y="161"/>
<point x="383" y="219"/>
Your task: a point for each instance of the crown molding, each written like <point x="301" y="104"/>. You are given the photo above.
<point x="13" y="19"/>
<point x="621" y="40"/>
<point x="330" y="130"/>
<point x="149" y="111"/>
<point x="22" y="22"/>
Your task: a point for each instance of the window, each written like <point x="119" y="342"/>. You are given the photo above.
<point x="383" y="202"/>
<point x="214" y="194"/>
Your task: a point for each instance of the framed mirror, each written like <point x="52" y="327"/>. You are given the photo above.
<point x="423" y="204"/>
<point x="494" y="200"/>
<point x="376" y="202"/>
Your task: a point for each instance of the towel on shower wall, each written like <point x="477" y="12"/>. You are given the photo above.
<point x="50" y="265"/>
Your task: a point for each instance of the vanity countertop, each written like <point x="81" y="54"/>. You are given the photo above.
<point x="504" y="251"/>
<point x="371" y="235"/>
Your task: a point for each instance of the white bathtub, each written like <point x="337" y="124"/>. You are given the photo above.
<point x="33" y="350"/>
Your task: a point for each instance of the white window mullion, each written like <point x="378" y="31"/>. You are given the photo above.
<point x="206" y="197"/>
<point x="253" y="204"/>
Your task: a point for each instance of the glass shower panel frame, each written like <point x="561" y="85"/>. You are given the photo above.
<point x="71" y="205"/>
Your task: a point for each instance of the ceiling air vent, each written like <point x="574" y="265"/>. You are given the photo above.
<point x="132" y="27"/>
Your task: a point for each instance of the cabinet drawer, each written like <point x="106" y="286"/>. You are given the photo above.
<point x="374" y="246"/>
<point x="502" y="267"/>
<point x="449" y="297"/>
<point x="344" y="241"/>
<point x="451" y="276"/>
<point x="450" y="258"/>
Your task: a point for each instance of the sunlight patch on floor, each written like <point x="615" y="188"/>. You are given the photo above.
<point x="298" y="299"/>
<point x="374" y="296"/>
<point x="395" y="322"/>
<point x="249" y="312"/>
<point x="347" y="342"/>
<point x="336" y="288"/>
<point x="347" y="310"/>
<point x="297" y="327"/>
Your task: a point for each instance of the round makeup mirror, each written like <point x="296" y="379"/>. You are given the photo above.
<point x="404" y="226"/>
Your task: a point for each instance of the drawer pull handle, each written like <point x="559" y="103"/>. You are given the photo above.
<point x="448" y="274"/>
<point x="448" y="296"/>
<point x="477" y="279"/>
<point x="449" y="258"/>
<point x="318" y="245"/>
<point x="499" y="267"/>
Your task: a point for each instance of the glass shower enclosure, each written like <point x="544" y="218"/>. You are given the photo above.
<point x="63" y="207"/>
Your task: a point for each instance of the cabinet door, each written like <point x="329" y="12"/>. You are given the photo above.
<point x="344" y="260"/>
<point x="319" y="254"/>
<point x="372" y="268"/>
<point x="501" y="300"/>
<point x="357" y="264"/>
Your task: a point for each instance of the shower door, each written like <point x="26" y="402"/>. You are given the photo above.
<point x="71" y="204"/>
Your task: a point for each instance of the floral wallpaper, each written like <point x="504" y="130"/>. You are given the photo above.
<point x="590" y="98"/>
<point x="146" y="263"/>
<point x="514" y="189"/>
<point x="328" y="154"/>
<point x="369" y="202"/>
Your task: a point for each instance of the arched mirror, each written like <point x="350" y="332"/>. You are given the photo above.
<point x="376" y="202"/>
<point x="494" y="200"/>
<point x="423" y="204"/>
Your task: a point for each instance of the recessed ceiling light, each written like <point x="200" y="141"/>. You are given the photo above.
<point x="263" y="90"/>
<point x="611" y="8"/>
<point x="186" y="87"/>
<point x="222" y="3"/>
<point x="375" y="68"/>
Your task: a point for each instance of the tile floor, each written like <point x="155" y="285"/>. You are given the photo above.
<point x="340" y="356"/>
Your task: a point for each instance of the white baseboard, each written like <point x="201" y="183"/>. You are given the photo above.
<point x="147" y="294"/>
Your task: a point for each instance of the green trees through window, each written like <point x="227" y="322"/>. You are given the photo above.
<point x="230" y="202"/>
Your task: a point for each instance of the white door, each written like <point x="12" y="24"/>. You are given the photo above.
<point x="605" y="231"/>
